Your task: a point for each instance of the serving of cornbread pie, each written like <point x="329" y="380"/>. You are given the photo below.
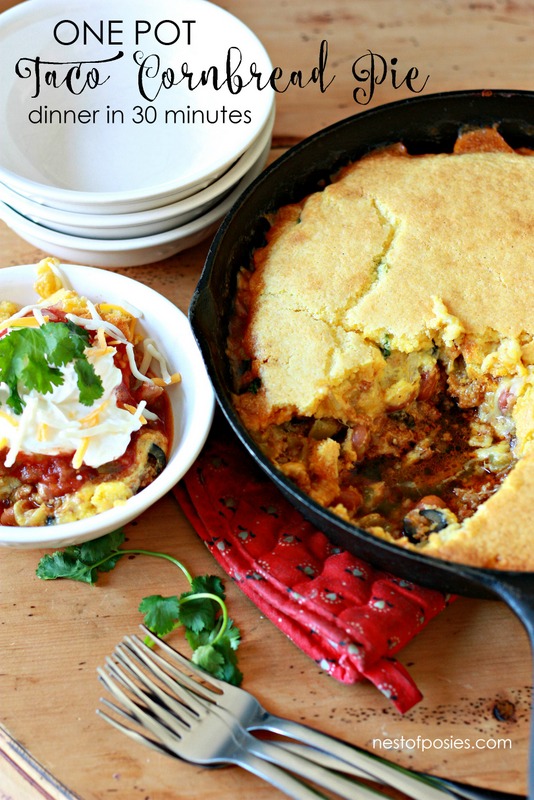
<point x="382" y="348"/>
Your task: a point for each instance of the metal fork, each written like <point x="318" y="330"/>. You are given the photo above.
<point x="320" y="748"/>
<point x="183" y="724"/>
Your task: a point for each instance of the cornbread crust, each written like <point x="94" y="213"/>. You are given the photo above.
<point x="401" y="263"/>
<point x="470" y="219"/>
<point x="360" y="243"/>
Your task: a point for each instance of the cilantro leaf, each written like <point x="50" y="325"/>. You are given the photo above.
<point x="8" y="374"/>
<point x="64" y="341"/>
<point x="161" y="613"/>
<point x="232" y="635"/>
<point x="82" y="562"/>
<point x="207" y="657"/>
<point x="201" y="610"/>
<point x="65" y="564"/>
<point x="197" y="613"/>
<point x="228" y="670"/>
<point x="219" y="659"/>
<point x="88" y="382"/>
<point x="208" y="583"/>
<point x="96" y="551"/>
<point x="32" y="357"/>
<point x="28" y="354"/>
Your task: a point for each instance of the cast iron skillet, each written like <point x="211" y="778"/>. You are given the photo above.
<point x="428" y="123"/>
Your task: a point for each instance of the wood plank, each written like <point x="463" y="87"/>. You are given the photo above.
<point x="54" y="635"/>
<point x="22" y="776"/>
<point x="470" y="660"/>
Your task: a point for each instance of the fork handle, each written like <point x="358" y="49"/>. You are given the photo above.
<point x="343" y="786"/>
<point x="276" y="776"/>
<point x="418" y="787"/>
<point x="453" y="788"/>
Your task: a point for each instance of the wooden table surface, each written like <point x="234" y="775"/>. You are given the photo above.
<point x="469" y="662"/>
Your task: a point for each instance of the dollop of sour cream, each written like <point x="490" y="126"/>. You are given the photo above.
<point x="57" y="423"/>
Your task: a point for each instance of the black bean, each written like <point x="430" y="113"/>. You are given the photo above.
<point x="157" y="454"/>
<point x="436" y="517"/>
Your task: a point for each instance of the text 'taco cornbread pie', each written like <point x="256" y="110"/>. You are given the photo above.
<point x="383" y="354"/>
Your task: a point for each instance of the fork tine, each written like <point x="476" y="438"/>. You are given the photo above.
<point x="160" y="667"/>
<point x="121" y="712"/>
<point x="169" y="674"/>
<point x="135" y="735"/>
<point x="118" y="710"/>
<point x="186" y="701"/>
<point x="199" y="745"/>
<point x="174" y="715"/>
<point x="170" y="737"/>
<point x="211" y="683"/>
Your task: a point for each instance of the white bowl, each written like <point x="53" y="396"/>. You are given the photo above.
<point x="151" y="221"/>
<point x="192" y="400"/>
<point x="127" y="252"/>
<point x="125" y="141"/>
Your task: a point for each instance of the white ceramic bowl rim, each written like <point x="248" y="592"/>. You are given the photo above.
<point x="237" y="171"/>
<point x="185" y="357"/>
<point x="198" y="153"/>
<point x="23" y="224"/>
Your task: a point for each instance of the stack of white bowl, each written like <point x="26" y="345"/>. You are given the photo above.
<point x="124" y="181"/>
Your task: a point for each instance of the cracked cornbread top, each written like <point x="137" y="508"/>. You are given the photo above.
<point x="382" y="348"/>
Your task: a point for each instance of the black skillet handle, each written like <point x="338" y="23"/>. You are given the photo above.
<point x="516" y="589"/>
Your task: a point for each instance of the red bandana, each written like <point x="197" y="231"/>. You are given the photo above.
<point x="348" y="616"/>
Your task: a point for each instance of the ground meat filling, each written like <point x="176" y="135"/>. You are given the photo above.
<point x="409" y="472"/>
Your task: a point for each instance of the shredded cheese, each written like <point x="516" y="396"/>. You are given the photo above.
<point x="133" y="366"/>
<point x="39" y="316"/>
<point x="133" y="410"/>
<point x="92" y="310"/>
<point x="20" y="313"/>
<point x="174" y="378"/>
<point x="92" y="418"/>
<point x="100" y="347"/>
<point x="149" y="415"/>
<point x="77" y="459"/>
<point x="9" y="419"/>
<point x="53" y="265"/>
<point x="94" y="325"/>
<point x="25" y="322"/>
<point x="126" y="308"/>
<point x="25" y="420"/>
<point x="96" y="314"/>
<point x="150" y="347"/>
<point x="146" y="360"/>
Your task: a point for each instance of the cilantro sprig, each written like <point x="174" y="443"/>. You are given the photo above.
<point x="201" y="610"/>
<point x="32" y="357"/>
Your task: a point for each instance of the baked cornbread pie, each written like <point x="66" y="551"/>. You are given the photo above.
<point x="382" y="348"/>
